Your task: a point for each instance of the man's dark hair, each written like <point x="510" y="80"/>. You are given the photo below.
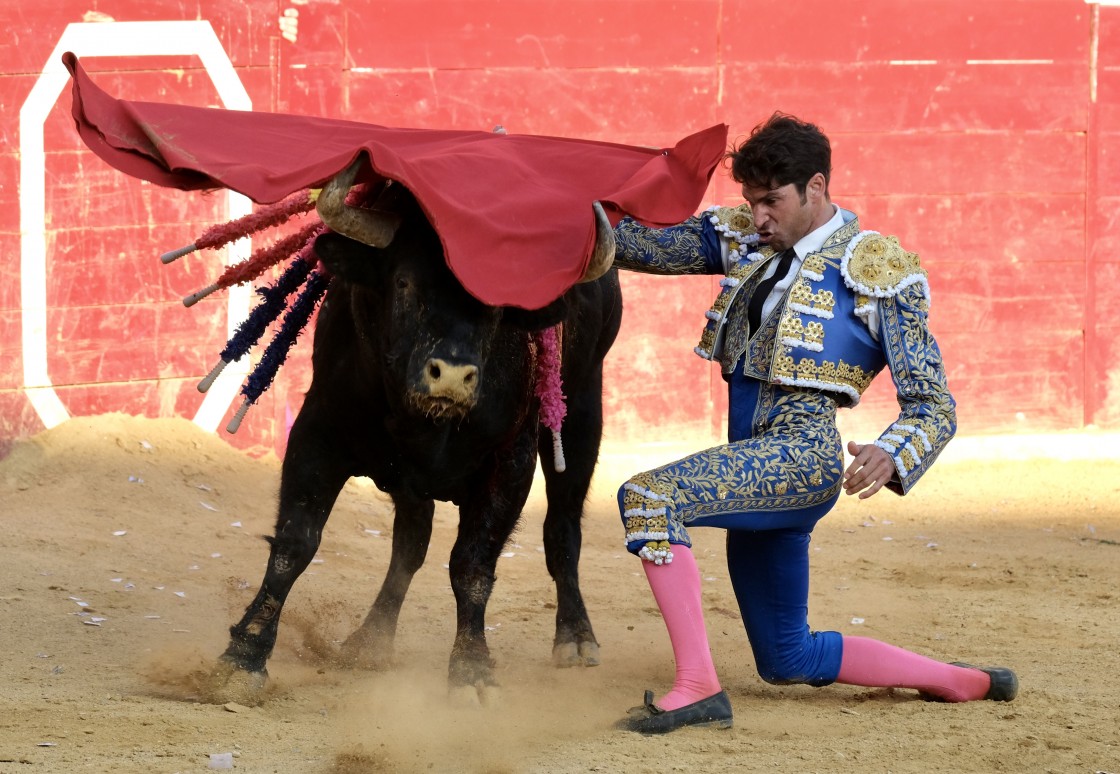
<point x="780" y="151"/>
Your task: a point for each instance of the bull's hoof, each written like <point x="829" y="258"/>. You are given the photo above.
<point x="226" y="682"/>
<point x="570" y="654"/>
<point x="473" y="696"/>
<point x="366" y="650"/>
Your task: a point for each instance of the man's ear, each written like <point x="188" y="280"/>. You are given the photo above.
<point x="817" y="187"/>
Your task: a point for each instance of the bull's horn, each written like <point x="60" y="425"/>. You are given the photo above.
<point x="375" y="229"/>
<point x="603" y="256"/>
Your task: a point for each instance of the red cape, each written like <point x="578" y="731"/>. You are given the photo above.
<point x="513" y="211"/>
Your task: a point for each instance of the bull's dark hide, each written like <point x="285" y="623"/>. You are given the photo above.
<point x="430" y="393"/>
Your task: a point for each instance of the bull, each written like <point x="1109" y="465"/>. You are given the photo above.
<point x="429" y="392"/>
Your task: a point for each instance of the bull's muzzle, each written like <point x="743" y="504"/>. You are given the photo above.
<point x="447" y="389"/>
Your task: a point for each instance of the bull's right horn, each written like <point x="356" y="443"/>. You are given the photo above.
<point x="603" y="256"/>
<point x="375" y="229"/>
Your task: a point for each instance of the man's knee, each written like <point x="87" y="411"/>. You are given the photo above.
<point x="782" y="673"/>
<point x="780" y="669"/>
<point x="815" y="662"/>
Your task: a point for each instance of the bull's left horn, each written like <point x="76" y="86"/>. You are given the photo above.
<point x="375" y="229"/>
<point x="603" y="256"/>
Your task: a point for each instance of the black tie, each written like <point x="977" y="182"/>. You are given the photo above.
<point x="754" y="309"/>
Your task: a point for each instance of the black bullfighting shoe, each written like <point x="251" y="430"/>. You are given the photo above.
<point x="712" y="712"/>
<point x="1004" y="685"/>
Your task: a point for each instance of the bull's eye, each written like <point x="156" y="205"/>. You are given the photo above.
<point x="402" y="283"/>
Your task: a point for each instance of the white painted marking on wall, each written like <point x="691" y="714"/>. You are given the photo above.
<point x="1009" y="61"/>
<point x="289" y="25"/>
<point x="118" y="39"/>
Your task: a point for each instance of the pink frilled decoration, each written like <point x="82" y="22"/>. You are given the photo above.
<point x="550" y="388"/>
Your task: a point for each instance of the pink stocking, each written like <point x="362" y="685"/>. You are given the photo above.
<point x="676" y="587"/>
<point x="873" y="663"/>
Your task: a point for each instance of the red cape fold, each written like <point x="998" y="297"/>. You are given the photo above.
<point x="513" y="211"/>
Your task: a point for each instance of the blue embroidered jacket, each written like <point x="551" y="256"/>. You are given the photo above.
<point x="818" y="336"/>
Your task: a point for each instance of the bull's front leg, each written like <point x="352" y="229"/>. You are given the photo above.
<point x="371" y="645"/>
<point x="313" y="474"/>
<point x="486" y="522"/>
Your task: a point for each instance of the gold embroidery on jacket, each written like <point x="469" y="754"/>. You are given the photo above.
<point x="794" y="332"/>
<point x="819" y="304"/>
<point x="880" y="263"/>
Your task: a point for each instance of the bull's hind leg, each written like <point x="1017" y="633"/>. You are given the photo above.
<point x="313" y="474"/>
<point x="371" y="645"/>
<point x="575" y="643"/>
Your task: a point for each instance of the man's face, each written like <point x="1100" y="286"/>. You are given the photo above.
<point x="780" y="215"/>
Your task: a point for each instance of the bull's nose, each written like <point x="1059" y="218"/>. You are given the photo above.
<point x="448" y="380"/>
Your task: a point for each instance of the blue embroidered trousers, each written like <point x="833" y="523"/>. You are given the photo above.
<point x="779" y="473"/>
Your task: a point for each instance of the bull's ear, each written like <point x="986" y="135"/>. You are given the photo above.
<point x="348" y="258"/>
<point x="536" y="319"/>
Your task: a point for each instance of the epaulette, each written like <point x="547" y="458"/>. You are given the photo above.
<point x="737" y="224"/>
<point x="877" y="266"/>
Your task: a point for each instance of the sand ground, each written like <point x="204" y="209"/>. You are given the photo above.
<point x="130" y="545"/>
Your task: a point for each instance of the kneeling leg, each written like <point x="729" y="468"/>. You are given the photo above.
<point x="770" y="575"/>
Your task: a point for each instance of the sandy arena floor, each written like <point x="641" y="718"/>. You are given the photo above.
<point x="131" y="545"/>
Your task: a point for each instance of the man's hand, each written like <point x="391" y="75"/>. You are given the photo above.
<point x="870" y="469"/>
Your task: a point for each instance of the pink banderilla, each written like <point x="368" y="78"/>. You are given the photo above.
<point x="550" y="389"/>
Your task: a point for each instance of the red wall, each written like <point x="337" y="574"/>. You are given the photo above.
<point x="980" y="133"/>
